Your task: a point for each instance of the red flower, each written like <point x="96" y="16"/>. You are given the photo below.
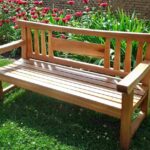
<point x="1" y="23"/>
<point x="16" y="26"/>
<point x="45" y="21"/>
<point x="71" y="2"/>
<point x="68" y="17"/>
<point x="34" y="16"/>
<point x="56" y="18"/>
<point x="18" y="9"/>
<point x="54" y="15"/>
<point x="85" y="1"/>
<point x="55" y="10"/>
<point x="1" y="2"/>
<point x="103" y="4"/>
<point x="78" y="14"/>
<point x="65" y="20"/>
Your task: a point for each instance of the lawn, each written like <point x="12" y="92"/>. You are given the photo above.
<point x="31" y="121"/>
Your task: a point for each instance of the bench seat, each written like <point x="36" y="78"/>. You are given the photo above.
<point x="83" y="88"/>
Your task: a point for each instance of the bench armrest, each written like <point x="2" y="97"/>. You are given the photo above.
<point x="127" y="84"/>
<point x="10" y="46"/>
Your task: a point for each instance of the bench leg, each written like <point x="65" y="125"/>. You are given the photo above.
<point x="126" y="122"/>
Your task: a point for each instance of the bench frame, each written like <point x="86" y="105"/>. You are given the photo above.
<point x="140" y="73"/>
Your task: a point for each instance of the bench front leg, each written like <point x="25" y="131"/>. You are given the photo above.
<point x="126" y="120"/>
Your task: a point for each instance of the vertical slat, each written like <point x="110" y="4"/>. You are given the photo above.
<point x="127" y="62"/>
<point x="43" y="43"/>
<point x="36" y="42"/>
<point x="139" y="56"/>
<point x="126" y="122"/>
<point x="147" y="56"/>
<point x="117" y="55"/>
<point x="107" y="54"/>
<point x="29" y="42"/>
<point x="24" y="47"/>
<point x="50" y="49"/>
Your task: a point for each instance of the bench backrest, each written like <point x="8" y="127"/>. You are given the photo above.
<point x="40" y="44"/>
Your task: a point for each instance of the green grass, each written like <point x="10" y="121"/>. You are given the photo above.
<point x="30" y="121"/>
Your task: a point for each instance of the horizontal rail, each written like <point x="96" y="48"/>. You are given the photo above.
<point x="91" y="32"/>
<point x="10" y="46"/>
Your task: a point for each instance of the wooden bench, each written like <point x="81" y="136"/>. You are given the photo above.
<point x="108" y="89"/>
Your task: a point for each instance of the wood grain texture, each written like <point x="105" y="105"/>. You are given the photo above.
<point x="127" y="61"/>
<point x="107" y="54"/>
<point x="131" y="80"/>
<point x="24" y="46"/>
<point x="36" y="42"/>
<point x="50" y="48"/>
<point x="126" y="113"/>
<point x="139" y="56"/>
<point x="29" y="43"/>
<point x="117" y="55"/>
<point x="10" y="46"/>
<point x="43" y="43"/>
<point x="76" y="47"/>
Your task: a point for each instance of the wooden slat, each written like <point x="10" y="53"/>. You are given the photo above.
<point x="36" y="42"/>
<point x="127" y="62"/>
<point x="147" y="56"/>
<point x="50" y="48"/>
<point x="77" y="47"/>
<point x="139" y="56"/>
<point x="43" y="43"/>
<point x="117" y="55"/>
<point x="10" y="46"/>
<point x="109" y="34"/>
<point x="29" y="41"/>
<point x="107" y="54"/>
<point x="24" y="46"/>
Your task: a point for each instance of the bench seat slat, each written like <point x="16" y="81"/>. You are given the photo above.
<point x="89" y="95"/>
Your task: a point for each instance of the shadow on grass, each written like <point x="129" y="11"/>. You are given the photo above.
<point x="69" y="124"/>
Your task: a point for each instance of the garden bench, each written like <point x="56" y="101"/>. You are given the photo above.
<point x="110" y="89"/>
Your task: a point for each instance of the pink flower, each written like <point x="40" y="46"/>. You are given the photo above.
<point x="103" y="4"/>
<point x="1" y="2"/>
<point x="78" y="14"/>
<point x="71" y="2"/>
<point x="87" y="9"/>
<point x="85" y="1"/>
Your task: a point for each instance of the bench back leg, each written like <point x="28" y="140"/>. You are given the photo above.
<point x="126" y="120"/>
